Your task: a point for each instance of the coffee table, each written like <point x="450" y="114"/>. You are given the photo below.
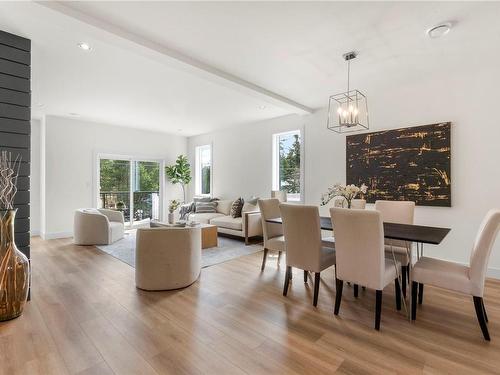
<point x="209" y="236"/>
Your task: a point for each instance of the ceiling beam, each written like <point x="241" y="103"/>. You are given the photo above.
<point x="178" y="60"/>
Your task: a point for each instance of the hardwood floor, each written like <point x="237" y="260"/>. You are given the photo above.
<point x="87" y="317"/>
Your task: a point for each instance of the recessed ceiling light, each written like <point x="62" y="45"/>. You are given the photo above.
<point x="74" y="114"/>
<point x="84" y="46"/>
<point x="262" y="107"/>
<point x="439" y="30"/>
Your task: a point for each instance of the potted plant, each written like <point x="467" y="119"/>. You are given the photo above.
<point x="173" y="205"/>
<point x="120" y="205"/>
<point x="179" y="173"/>
<point x="14" y="265"/>
<point x="348" y="192"/>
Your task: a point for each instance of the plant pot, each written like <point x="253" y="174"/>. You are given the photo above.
<point x="171" y="218"/>
<point x="14" y="270"/>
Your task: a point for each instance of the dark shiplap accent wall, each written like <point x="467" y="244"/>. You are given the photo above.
<point x="15" y="127"/>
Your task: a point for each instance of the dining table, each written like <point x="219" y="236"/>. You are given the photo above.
<point x="409" y="233"/>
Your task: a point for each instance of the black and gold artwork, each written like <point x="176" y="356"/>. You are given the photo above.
<point x="402" y="164"/>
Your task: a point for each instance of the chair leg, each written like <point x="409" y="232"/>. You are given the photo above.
<point x="305" y="276"/>
<point x="485" y="315"/>
<point x="404" y="273"/>
<point x="279" y="257"/>
<point x="316" y="288"/>
<point x="356" y="290"/>
<point x="398" y="294"/>
<point x="420" y="293"/>
<point x="287" y="280"/>
<point x="478" y="304"/>
<point x="264" y="258"/>
<point x="414" y="286"/>
<point x="378" y="309"/>
<point x="339" y="284"/>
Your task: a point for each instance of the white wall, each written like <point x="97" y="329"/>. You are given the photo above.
<point x="242" y="155"/>
<point x="69" y="164"/>
<point x="35" y="178"/>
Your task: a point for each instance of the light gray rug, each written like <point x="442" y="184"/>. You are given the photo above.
<point x="228" y="249"/>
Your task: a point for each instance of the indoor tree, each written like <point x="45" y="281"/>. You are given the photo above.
<point x="179" y="173"/>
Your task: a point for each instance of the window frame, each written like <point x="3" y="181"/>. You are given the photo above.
<point x="275" y="162"/>
<point x="198" y="170"/>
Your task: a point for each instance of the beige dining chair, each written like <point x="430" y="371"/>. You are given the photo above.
<point x="304" y="250"/>
<point x="400" y="212"/>
<point x="272" y="233"/>
<point x="281" y="195"/>
<point x="359" y="246"/>
<point x="457" y="277"/>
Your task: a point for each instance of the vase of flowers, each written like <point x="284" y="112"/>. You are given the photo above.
<point x="348" y="192"/>
<point x="173" y="205"/>
<point x="14" y="265"/>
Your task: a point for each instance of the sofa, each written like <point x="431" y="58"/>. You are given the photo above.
<point x="167" y="258"/>
<point x="98" y="226"/>
<point x="247" y="226"/>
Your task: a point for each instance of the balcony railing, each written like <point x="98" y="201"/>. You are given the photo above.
<point x="146" y="203"/>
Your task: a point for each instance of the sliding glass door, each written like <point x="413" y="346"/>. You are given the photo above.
<point x="131" y="186"/>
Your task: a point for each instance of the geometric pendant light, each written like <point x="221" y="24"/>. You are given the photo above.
<point x="348" y="111"/>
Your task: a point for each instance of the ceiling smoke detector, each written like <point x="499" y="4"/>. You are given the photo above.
<point x="439" y="30"/>
<point x="84" y="46"/>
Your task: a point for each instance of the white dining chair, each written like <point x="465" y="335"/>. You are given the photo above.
<point x="457" y="277"/>
<point x="272" y="232"/>
<point x="304" y="250"/>
<point x="400" y="212"/>
<point x="359" y="247"/>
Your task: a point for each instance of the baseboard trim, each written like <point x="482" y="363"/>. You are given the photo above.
<point x="493" y="273"/>
<point x="56" y="235"/>
<point x="34" y="233"/>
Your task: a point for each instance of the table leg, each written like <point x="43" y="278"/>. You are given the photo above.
<point x="410" y="277"/>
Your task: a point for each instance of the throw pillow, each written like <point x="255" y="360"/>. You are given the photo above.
<point x="236" y="207"/>
<point x="205" y="207"/>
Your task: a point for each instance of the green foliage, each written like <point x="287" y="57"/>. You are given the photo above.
<point x="205" y="180"/>
<point x="173" y="205"/>
<point x="115" y="175"/>
<point x="290" y="166"/>
<point x="149" y="176"/>
<point x="179" y="173"/>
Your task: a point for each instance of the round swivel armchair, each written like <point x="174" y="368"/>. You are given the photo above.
<point x="167" y="258"/>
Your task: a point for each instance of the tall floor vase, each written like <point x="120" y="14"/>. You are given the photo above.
<point x="14" y="270"/>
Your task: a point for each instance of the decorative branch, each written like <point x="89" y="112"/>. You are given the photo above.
<point x="9" y="171"/>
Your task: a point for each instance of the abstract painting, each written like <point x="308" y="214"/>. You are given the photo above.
<point x="402" y="164"/>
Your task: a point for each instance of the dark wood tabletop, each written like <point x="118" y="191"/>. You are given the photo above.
<point x="405" y="232"/>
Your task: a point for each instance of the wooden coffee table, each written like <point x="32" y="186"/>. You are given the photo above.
<point x="209" y="236"/>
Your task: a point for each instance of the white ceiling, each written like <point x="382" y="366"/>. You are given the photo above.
<point x="290" y="51"/>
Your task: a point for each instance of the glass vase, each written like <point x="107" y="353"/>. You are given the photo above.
<point x="14" y="270"/>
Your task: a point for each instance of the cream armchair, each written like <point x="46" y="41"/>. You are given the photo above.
<point x="167" y="258"/>
<point x="98" y="226"/>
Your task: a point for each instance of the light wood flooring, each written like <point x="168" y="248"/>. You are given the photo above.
<point x="87" y="317"/>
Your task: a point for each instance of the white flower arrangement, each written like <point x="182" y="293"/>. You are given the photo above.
<point x="348" y="192"/>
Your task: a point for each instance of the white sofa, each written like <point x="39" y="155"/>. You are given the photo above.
<point x="98" y="226"/>
<point x="247" y="226"/>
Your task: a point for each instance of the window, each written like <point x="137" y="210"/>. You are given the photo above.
<point x="203" y="170"/>
<point x="130" y="186"/>
<point x="287" y="164"/>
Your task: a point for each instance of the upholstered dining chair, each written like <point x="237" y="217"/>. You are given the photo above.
<point x="359" y="246"/>
<point x="304" y="250"/>
<point x="272" y="233"/>
<point x="400" y="212"/>
<point x="457" y="277"/>
<point x="279" y="194"/>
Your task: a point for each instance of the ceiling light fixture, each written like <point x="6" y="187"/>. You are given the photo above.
<point x="439" y="30"/>
<point x="74" y="114"/>
<point x="84" y="46"/>
<point x="348" y="111"/>
<point x="262" y="107"/>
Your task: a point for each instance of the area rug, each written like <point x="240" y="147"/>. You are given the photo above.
<point x="228" y="249"/>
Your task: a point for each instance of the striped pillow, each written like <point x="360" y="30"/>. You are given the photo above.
<point x="205" y="207"/>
